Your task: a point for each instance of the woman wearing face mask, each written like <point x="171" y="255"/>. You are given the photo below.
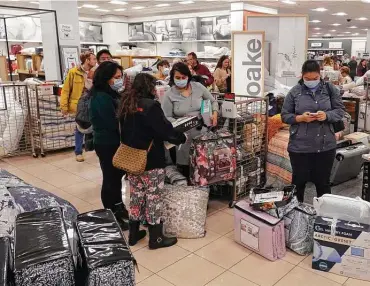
<point x="311" y="108"/>
<point x="184" y="99"/>
<point x="103" y="117"/>
<point x="163" y="70"/>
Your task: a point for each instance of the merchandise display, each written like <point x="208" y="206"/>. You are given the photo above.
<point x="5" y="261"/>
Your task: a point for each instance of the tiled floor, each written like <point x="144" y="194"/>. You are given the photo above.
<point x="215" y="260"/>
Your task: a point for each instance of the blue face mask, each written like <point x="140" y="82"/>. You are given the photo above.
<point x="117" y="84"/>
<point x="181" y="83"/>
<point x="311" y="84"/>
<point x="166" y="71"/>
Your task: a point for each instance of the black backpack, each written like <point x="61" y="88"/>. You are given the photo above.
<point x="82" y="114"/>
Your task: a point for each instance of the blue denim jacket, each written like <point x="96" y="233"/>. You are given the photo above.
<point x="315" y="136"/>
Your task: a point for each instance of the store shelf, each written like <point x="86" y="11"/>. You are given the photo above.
<point x="94" y="43"/>
<point x="180" y="41"/>
<point x="199" y="57"/>
<point x="40" y="73"/>
<point x="323" y="49"/>
<point x="20" y="41"/>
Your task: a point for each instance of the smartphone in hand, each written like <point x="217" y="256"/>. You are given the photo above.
<point x="313" y="114"/>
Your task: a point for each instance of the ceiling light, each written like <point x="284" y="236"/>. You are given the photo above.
<point x="339" y="14"/>
<point x="327" y="35"/>
<point x="35" y="2"/>
<point x="320" y="9"/>
<point x="90" y="6"/>
<point x="138" y="7"/>
<point x="347" y="32"/>
<point x="336" y="24"/>
<point x="340" y="35"/>
<point x="117" y="2"/>
<point x="362" y="19"/>
<point x="186" y="2"/>
<point x="332" y="30"/>
<point x="355" y="34"/>
<point x="365" y="1"/>
<point x="162" y="5"/>
<point x="317" y="33"/>
<point x="315" y="21"/>
<point x="79" y="7"/>
<point x="289" y="2"/>
<point x="352" y="27"/>
<point x="317" y="28"/>
<point x="365" y="29"/>
<point x="120" y="9"/>
<point x="102" y="10"/>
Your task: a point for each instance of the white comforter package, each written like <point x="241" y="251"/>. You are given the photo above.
<point x="12" y="121"/>
<point x="343" y="208"/>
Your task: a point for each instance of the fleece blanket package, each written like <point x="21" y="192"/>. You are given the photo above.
<point x="5" y="262"/>
<point x="258" y="231"/>
<point x="185" y="211"/>
<point x="42" y="252"/>
<point x="107" y="258"/>
<point x="342" y="247"/>
<point x="344" y="208"/>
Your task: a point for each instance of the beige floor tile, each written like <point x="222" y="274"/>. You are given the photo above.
<point x="69" y="161"/>
<point x="293" y="257"/>
<point x="230" y="279"/>
<point x="39" y="168"/>
<point x="98" y="181"/>
<point x="355" y="282"/>
<point x="143" y="274"/>
<point x="57" y="156"/>
<point x="98" y="206"/>
<point x="218" y="205"/>
<point x="195" y="244"/>
<point x="262" y="271"/>
<point x="302" y="277"/>
<point x="212" y="211"/>
<point x="156" y="260"/>
<point x="87" y="191"/>
<point x="224" y="252"/>
<point x="231" y="235"/>
<point x="192" y="270"/>
<point x="221" y="223"/>
<point x="79" y="204"/>
<point x="28" y="178"/>
<point x="141" y="244"/>
<point x="61" y="178"/>
<point x="155" y="280"/>
<point x="21" y="160"/>
<point x="229" y="211"/>
<point x="6" y="166"/>
<point x="91" y="173"/>
<point x="84" y="208"/>
<point x="307" y="264"/>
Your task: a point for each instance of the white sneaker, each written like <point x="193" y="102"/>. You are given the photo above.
<point x="80" y="158"/>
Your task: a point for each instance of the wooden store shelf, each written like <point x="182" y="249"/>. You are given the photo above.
<point x="126" y="61"/>
<point x="4" y="74"/>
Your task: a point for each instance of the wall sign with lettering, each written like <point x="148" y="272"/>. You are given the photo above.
<point x="247" y="63"/>
<point x="316" y="45"/>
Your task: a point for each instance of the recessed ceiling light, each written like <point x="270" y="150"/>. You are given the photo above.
<point x="339" y="14"/>
<point x="79" y="7"/>
<point x="327" y="35"/>
<point x="362" y="19"/>
<point x="102" y="10"/>
<point x="315" y="21"/>
<point x="162" y="5"/>
<point x="352" y="27"/>
<point x="365" y="1"/>
<point x="321" y="9"/>
<point x="340" y="35"/>
<point x="317" y="28"/>
<point x="355" y="34"/>
<point x="317" y="33"/>
<point x="120" y="9"/>
<point x="347" y="32"/>
<point x="289" y="2"/>
<point x="35" y="2"/>
<point x="332" y="30"/>
<point x="90" y="6"/>
<point x="365" y="29"/>
<point x="336" y="24"/>
<point x="138" y="7"/>
<point x="117" y="2"/>
<point x="186" y="2"/>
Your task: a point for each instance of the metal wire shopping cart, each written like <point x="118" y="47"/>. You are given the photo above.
<point x="16" y="137"/>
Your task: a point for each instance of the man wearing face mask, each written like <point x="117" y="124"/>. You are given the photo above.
<point x="74" y="85"/>
<point x="312" y="108"/>
<point x="163" y="70"/>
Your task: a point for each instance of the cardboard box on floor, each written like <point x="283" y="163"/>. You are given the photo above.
<point x="342" y="247"/>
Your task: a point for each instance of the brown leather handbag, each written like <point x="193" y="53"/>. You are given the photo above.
<point x="131" y="160"/>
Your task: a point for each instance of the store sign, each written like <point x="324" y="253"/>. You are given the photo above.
<point x="335" y="45"/>
<point x="248" y="63"/>
<point x="316" y="45"/>
<point x="66" y="32"/>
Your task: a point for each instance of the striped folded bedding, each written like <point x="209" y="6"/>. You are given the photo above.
<point x="279" y="170"/>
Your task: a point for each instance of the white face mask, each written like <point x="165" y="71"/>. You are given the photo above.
<point x="166" y="71"/>
<point x="88" y="83"/>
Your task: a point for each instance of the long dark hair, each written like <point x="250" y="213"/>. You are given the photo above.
<point x="103" y="74"/>
<point x="181" y="68"/>
<point x="309" y="66"/>
<point x="143" y="86"/>
<point x="220" y="62"/>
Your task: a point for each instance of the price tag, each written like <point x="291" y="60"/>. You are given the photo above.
<point x="229" y="109"/>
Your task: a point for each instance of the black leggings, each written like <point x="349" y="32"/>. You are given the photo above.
<point x="111" y="191"/>
<point x="312" y="167"/>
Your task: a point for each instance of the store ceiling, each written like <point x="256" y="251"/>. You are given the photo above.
<point x="355" y="11"/>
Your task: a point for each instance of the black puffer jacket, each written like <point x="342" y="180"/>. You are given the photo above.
<point x="147" y="124"/>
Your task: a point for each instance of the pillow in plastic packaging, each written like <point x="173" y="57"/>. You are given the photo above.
<point x="133" y="71"/>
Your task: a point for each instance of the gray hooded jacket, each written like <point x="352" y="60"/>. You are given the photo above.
<point x="315" y="136"/>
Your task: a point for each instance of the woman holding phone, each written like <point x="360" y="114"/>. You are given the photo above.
<point x="311" y="108"/>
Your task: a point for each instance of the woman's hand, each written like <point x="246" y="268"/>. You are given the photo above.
<point x="305" y="117"/>
<point x="321" y="116"/>
<point x="214" y="118"/>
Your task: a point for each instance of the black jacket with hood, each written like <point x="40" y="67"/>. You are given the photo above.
<point x="149" y="124"/>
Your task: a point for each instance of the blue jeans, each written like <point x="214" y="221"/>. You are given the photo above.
<point x="79" y="140"/>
